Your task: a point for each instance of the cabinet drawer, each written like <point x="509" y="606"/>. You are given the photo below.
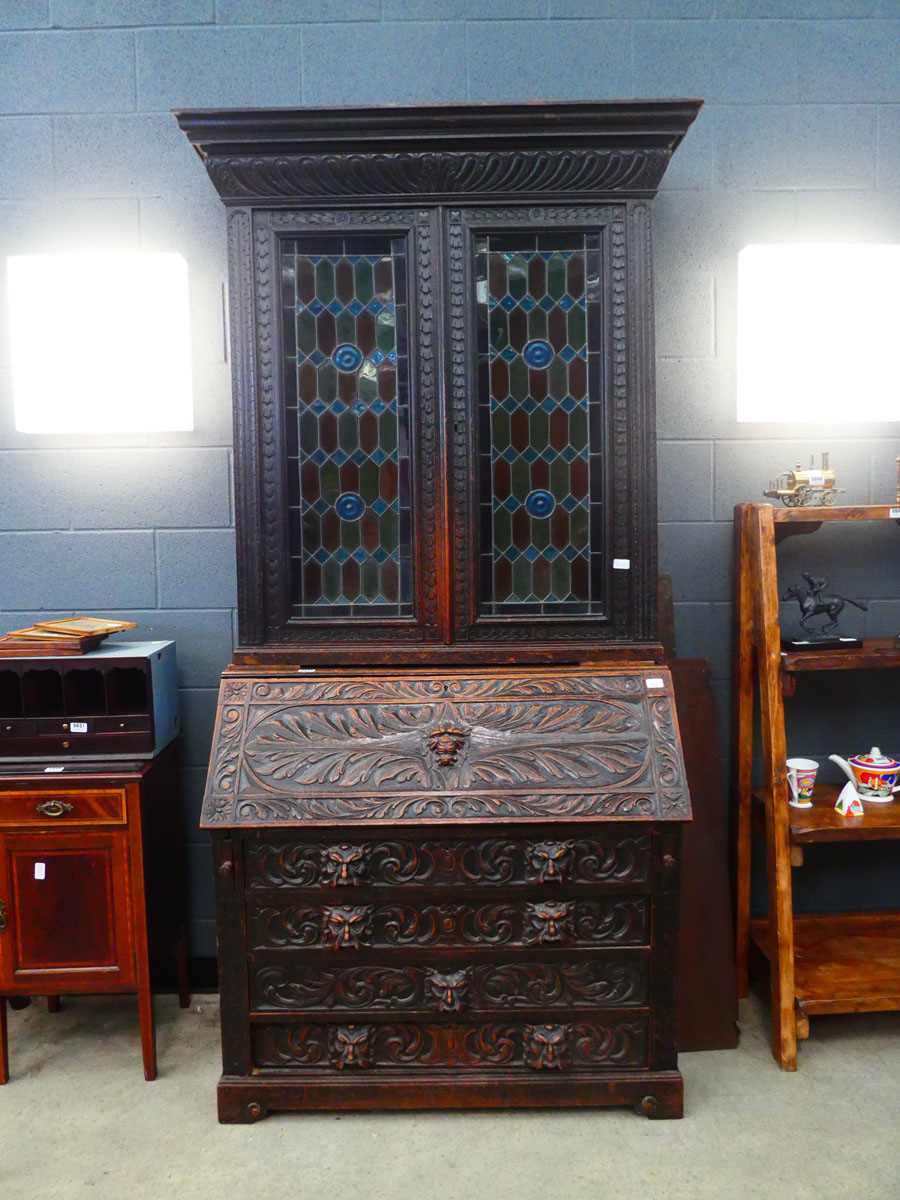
<point x="357" y="989"/>
<point x="613" y="859"/>
<point x="522" y="1047"/>
<point x="61" y="809"/>
<point x="286" y="923"/>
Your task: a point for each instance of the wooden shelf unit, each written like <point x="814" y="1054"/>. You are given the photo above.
<point x="819" y="963"/>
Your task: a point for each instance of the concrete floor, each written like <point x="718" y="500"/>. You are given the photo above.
<point x="77" y="1120"/>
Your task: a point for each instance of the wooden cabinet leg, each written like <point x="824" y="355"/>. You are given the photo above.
<point x="181" y="968"/>
<point x="4" y="1043"/>
<point x="148" y="1030"/>
<point x="54" y="1004"/>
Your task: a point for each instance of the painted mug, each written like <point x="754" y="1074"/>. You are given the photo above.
<point x="801" y="775"/>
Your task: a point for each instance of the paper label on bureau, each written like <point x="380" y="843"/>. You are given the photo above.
<point x="78" y="726"/>
<point x="40" y="870"/>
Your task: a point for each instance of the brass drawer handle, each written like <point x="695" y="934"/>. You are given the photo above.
<point x="54" y="808"/>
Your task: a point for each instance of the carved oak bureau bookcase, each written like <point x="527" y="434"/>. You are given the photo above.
<point x="446" y="789"/>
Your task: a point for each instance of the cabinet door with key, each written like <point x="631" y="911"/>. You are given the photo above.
<point x="65" y="914"/>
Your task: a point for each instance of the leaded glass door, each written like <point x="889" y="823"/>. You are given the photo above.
<point x="347" y="425"/>
<point x="548" y="476"/>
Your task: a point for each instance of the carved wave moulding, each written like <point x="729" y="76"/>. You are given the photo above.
<point x="335" y="750"/>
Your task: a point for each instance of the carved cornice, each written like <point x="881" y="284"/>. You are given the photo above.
<point x="588" y="149"/>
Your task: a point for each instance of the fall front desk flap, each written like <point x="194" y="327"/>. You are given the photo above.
<point x="331" y="749"/>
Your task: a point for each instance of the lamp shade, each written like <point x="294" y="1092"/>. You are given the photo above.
<point x="100" y="342"/>
<point x="817" y="338"/>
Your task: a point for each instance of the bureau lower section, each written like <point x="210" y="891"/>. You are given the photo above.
<point x="417" y="969"/>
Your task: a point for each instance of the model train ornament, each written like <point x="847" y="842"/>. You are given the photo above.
<point x="805" y="486"/>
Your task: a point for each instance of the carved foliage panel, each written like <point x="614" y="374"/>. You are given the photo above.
<point x="586" y="983"/>
<point x="589" y="1044"/>
<point x="412" y="749"/>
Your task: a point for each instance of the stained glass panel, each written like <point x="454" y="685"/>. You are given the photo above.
<point x="346" y="402"/>
<point x="540" y="427"/>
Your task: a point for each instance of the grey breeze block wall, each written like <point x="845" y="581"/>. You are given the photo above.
<point x="799" y="139"/>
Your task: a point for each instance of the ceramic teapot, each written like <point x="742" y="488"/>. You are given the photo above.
<point x="874" y="774"/>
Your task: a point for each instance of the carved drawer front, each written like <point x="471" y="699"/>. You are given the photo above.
<point x="281" y="924"/>
<point x="519" y="1046"/>
<point x="609" y="858"/>
<point x="592" y="982"/>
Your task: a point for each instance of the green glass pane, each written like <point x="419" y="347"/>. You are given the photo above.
<point x="560" y="577"/>
<point x="309" y="432"/>
<point x="560" y="479"/>
<point x="577" y="328"/>
<point x="502" y="528"/>
<point x="387" y="431"/>
<point x="517" y="275"/>
<point x="540" y="532"/>
<point x="540" y="429"/>
<point x="499" y="329"/>
<point x="388" y="537"/>
<point x="578" y="428"/>
<point x="518" y="379"/>
<point x="537" y="323"/>
<point x="370" y="579"/>
<point x="556" y="277"/>
<point x="520" y="478"/>
<point x="367" y="384"/>
<point x="350" y="534"/>
<point x="331" y="580"/>
<point x="365" y="284"/>
<point x="368" y="482"/>
<point x="500" y="429"/>
<point x="558" y="378"/>
<point x="348" y="432"/>
<point x="327" y="382"/>
<point x="522" y="578"/>
<point x="325" y="280"/>
<point x="346" y="326"/>
<point x="331" y="482"/>
<point x="385" y="335"/>
<point x="579" y="527"/>
<point x="306" y="332"/>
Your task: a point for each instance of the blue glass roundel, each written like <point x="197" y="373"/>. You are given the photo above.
<point x="349" y="506"/>
<point x="347" y="357"/>
<point x="538" y="353"/>
<point x="539" y="503"/>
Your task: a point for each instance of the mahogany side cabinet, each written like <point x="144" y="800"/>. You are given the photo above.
<point x="90" y="884"/>
<point x="446" y="787"/>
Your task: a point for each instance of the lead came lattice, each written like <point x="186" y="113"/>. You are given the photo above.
<point x="346" y="397"/>
<point x="540" y="432"/>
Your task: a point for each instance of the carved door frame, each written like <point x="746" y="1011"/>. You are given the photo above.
<point x="261" y="497"/>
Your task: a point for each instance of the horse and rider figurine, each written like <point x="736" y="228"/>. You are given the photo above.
<point x="815" y="602"/>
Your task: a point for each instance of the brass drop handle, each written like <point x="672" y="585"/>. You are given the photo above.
<point x="3" y="918"/>
<point x="54" y="808"/>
